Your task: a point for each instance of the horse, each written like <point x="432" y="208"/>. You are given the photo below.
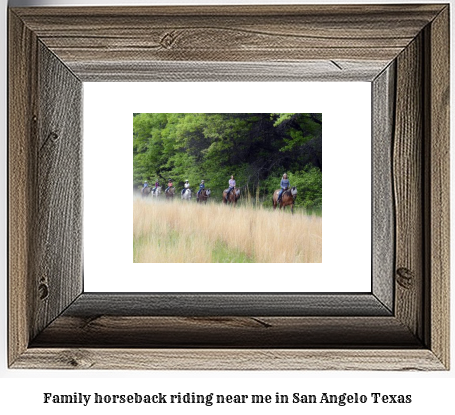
<point x="186" y="194"/>
<point x="145" y="191"/>
<point x="170" y="193"/>
<point x="287" y="198"/>
<point x="234" y="195"/>
<point x="203" y="196"/>
<point x="157" y="191"/>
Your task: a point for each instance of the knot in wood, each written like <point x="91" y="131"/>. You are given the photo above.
<point x="43" y="290"/>
<point x="76" y="359"/>
<point x="53" y="136"/>
<point x="168" y="39"/>
<point x="405" y="278"/>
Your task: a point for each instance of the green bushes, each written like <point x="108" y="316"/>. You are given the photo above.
<point x="256" y="148"/>
<point x="309" y="187"/>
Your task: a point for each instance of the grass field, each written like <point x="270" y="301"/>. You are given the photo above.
<point x="188" y="232"/>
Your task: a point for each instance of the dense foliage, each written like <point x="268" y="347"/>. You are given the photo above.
<point x="256" y="148"/>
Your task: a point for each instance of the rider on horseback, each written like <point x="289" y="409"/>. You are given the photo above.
<point x="231" y="187"/>
<point x="284" y="186"/>
<point x="157" y="184"/>
<point x="169" y="185"/>
<point x="185" y="186"/>
<point x="201" y="188"/>
<point x="145" y="185"/>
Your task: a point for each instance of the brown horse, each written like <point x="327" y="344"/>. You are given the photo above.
<point x="146" y="191"/>
<point x="234" y="195"/>
<point x="287" y="198"/>
<point x="203" y="196"/>
<point x="170" y="193"/>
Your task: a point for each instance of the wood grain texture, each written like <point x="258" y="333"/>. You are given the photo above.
<point x="383" y="215"/>
<point x="257" y="332"/>
<point x="408" y="188"/>
<point x="438" y="254"/>
<point x="58" y="205"/>
<point x="227" y="34"/>
<point x="215" y="305"/>
<point x="22" y="94"/>
<point x="229" y="359"/>
<point x="53" y="49"/>
<point x="157" y="71"/>
<point x="44" y="187"/>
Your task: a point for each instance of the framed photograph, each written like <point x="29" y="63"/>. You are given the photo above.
<point x="256" y="147"/>
<point x="400" y="323"/>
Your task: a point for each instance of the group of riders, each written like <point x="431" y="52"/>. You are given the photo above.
<point x="284" y="185"/>
<point x="170" y="185"/>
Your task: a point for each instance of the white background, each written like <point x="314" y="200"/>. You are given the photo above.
<point x="108" y="222"/>
<point x="22" y="391"/>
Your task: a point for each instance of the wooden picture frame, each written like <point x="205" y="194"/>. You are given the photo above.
<point x="403" y="324"/>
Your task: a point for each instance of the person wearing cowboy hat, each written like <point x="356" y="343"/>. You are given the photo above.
<point x="185" y="186"/>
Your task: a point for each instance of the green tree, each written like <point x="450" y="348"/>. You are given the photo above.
<point x="256" y="148"/>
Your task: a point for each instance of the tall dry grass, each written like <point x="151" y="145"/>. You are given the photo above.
<point x="188" y="232"/>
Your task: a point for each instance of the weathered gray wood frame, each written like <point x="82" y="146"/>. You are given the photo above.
<point x="403" y="50"/>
